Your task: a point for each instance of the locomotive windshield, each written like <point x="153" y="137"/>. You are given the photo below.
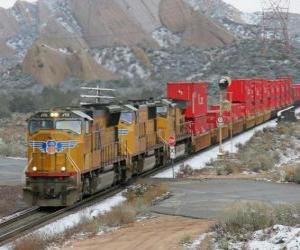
<point x="73" y="125"/>
<point x="36" y="125"/>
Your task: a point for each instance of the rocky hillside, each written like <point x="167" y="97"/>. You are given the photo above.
<point x="126" y="41"/>
<point x="55" y="39"/>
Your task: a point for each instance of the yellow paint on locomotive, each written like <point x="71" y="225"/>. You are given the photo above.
<point x="69" y="160"/>
<point x="137" y="132"/>
<point x="132" y="133"/>
<point x="171" y="123"/>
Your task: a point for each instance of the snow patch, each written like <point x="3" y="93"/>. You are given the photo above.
<point x="196" y="244"/>
<point x="121" y="60"/>
<point x="68" y="28"/>
<point x="72" y="220"/>
<point x="275" y="238"/>
<point x="165" y="38"/>
<point x="251" y="18"/>
<point x="199" y="161"/>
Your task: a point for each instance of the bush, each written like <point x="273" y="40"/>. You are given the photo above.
<point x="23" y="103"/>
<point x="119" y="215"/>
<point x="245" y="217"/>
<point x="292" y="173"/>
<point x="297" y="175"/>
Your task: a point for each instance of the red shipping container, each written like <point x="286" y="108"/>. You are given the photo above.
<point x="296" y="92"/>
<point x="273" y="97"/>
<point x="282" y="93"/>
<point x="247" y="109"/>
<point x="258" y="94"/>
<point x="277" y="93"/>
<point x="266" y="95"/>
<point x="236" y="111"/>
<point x="198" y="125"/>
<point x="240" y="90"/>
<point x="287" y="88"/>
<point x="195" y="93"/>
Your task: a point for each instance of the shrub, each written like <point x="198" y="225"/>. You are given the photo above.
<point x="184" y="171"/>
<point x="245" y="216"/>
<point x="119" y="215"/>
<point x="297" y="175"/>
<point x="32" y="242"/>
<point x="186" y="240"/>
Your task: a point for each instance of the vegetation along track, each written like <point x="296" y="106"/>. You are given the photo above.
<point x="35" y="218"/>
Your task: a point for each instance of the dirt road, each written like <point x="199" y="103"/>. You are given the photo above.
<point x="159" y="233"/>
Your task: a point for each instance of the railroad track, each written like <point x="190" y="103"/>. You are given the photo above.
<point x="34" y="218"/>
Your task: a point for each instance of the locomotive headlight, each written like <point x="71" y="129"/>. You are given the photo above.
<point x="63" y="169"/>
<point x="34" y="169"/>
<point x="54" y="114"/>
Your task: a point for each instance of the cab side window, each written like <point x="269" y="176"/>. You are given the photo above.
<point x="87" y="127"/>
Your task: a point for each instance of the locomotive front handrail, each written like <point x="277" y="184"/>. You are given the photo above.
<point x="75" y="166"/>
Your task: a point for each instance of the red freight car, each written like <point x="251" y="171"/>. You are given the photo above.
<point x="258" y="95"/>
<point x="241" y="90"/>
<point x="267" y="95"/>
<point x="287" y="82"/>
<point x="273" y="99"/>
<point x="296" y="92"/>
<point x="195" y="93"/>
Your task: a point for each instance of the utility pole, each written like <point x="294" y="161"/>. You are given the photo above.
<point x="225" y="105"/>
<point x="274" y="24"/>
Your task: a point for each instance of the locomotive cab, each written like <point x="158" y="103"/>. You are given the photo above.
<point x="56" y="152"/>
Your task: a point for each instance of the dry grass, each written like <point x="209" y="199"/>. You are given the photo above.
<point x="262" y="152"/>
<point x="292" y="172"/>
<point x="139" y="198"/>
<point x="119" y="215"/>
<point x="244" y="217"/>
<point x="32" y="242"/>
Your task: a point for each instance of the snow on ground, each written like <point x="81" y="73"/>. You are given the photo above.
<point x="251" y="18"/>
<point x="165" y="38"/>
<point x="72" y="220"/>
<point x="200" y="160"/>
<point x="196" y="243"/>
<point x="121" y="60"/>
<point x="275" y="238"/>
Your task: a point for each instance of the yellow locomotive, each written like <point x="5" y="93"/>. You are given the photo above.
<point x="72" y="153"/>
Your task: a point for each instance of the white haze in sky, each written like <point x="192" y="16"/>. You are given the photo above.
<point x="9" y="3"/>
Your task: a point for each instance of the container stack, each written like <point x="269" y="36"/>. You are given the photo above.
<point x="195" y="96"/>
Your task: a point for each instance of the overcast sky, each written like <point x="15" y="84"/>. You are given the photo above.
<point x="244" y="5"/>
<point x="255" y="5"/>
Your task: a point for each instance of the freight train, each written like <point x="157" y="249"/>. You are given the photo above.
<point x="76" y="152"/>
